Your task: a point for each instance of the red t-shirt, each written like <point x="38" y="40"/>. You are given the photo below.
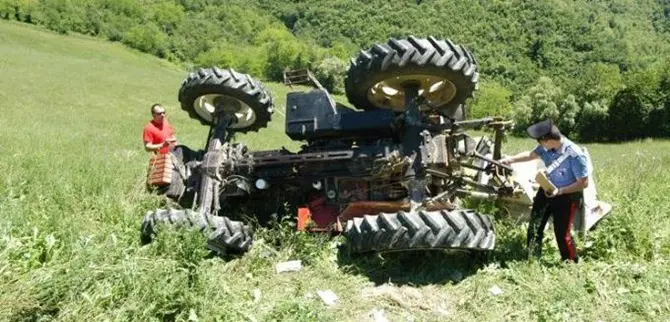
<point x="155" y="134"/>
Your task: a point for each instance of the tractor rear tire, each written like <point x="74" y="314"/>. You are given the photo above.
<point x="457" y="229"/>
<point x="224" y="236"/>
<point x="411" y="57"/>
<point x="236" y="88"/>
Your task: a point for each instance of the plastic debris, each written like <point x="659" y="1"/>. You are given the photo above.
<point x="290" y="266"/>
<point x="495" y="290"/>
<point x="257" y="295"/>
<point x="327" y="296"/>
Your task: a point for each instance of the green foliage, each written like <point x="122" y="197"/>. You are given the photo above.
<point x="628" y="116"/>
<point x="599" y="81"/>
<point x="331" y="73"/>
<point x="244" y="59"/>
<point x="547" y="100"/>
<point x="592" y="124"/>
<point x="589" y="50"/>
<point x="307" y="247"/>
<point x="148" y="38"/>
<point x="306" y="310"/>
<point x="282" y="50"/>
<point x="168" y="16"/>
<point x="493" y="99"/>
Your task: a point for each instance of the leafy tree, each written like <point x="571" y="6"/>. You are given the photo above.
<point x="168" y="16"/>
<point x="148" y="38"/>
<point x="659" y="116"/>
<point x="600" y="81"/>
<point x="330" y="73"/>
<point x="548" y="57"/>
<point x="593" y="122"/>
<point x="546" y="100"/>
<point x="492" y="99"/>
<point x="627" y="116"/>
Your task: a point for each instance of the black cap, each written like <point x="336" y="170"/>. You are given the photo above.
<point x="540" y="129"/>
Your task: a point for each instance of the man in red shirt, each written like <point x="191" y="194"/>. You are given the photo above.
<point x="158" y="135"/>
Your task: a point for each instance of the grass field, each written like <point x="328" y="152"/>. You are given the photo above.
<point x="72" y="200"/>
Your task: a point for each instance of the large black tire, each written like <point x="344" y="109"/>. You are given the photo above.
<point x="409" y="57"/>
<point x="232" y="86"/>
<point x="224" y="236"/>
<point x="402" y="231"/>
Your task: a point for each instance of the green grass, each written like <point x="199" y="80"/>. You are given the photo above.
<point x="72" y="199"/>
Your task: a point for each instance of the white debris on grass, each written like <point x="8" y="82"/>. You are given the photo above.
<point x="495" y="290"/>
<point x="290" y="266"/>
<point x="327" y="296"/>
<point x="192" y="316"/>
<point x="257" y="295"/>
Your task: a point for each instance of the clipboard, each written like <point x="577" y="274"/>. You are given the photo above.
<point x="543" y="180"/>
<point x="542" y="176"/>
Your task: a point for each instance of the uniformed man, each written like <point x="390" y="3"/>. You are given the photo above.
<point x="568" y="171"/>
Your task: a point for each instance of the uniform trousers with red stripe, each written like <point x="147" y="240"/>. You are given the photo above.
<point x="562" y="210"/>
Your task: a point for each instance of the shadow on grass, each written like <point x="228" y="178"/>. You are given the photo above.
<point x="424" y="267"/>
<point x="413" y="267"/>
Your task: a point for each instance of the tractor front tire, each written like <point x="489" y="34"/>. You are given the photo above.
<point x="224" y="236"/>
<point x="208" y="91"/>
<point x="457" y="229"/>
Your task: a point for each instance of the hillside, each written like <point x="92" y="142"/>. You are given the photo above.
<point x="599" y="61"/>
<point x="72" y="199"/>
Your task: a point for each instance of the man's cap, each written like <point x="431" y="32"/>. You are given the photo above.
<point x="540" y="129"/>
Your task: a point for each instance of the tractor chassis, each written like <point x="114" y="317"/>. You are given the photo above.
<point x="227" y="170"/>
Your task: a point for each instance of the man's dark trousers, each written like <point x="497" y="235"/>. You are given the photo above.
<point x="562" y="209"/>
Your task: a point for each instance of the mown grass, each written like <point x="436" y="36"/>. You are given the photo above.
<point x="71" y="202"/>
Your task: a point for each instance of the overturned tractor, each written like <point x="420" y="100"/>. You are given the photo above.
<point x="387" y="173"/>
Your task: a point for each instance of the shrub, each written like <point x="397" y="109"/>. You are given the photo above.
<point x="546" y="100"/>
<point x="628" y="115"/>
<point x="592" y="122"/>
<point x="330" y="73"/>
<point x="147" y="38"/>
<point x="492" y="99"/>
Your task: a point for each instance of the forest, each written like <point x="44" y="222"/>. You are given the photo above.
<point x="599" y="68"/>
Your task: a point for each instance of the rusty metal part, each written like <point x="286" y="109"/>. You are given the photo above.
<point x="437" y="151"/>
<point x="301" y="76"/>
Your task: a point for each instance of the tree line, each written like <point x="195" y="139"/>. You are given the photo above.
<point x="599" y="68"/>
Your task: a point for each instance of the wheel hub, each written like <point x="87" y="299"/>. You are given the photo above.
<point x="390" y="93"/>
<point x="210" y="104"/>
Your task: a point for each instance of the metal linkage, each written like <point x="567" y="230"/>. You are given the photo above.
<point x="210" y="180"/>
<point x="413" y="145"/>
